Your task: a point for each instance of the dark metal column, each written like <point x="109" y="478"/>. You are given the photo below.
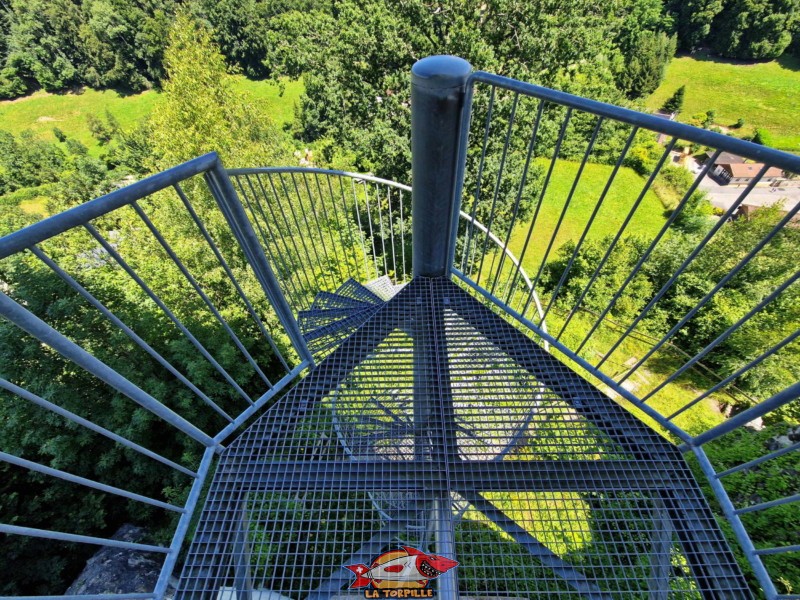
<point x="437" y="97"/>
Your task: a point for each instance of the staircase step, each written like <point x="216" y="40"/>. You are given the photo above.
<point x="309" y="320"/>
<point x="356" y="291"/>
<point x="323" y="339"/>
<point x="349" y="323"/>
<point x="383" y="287"/>
<point x="328" y="300"/>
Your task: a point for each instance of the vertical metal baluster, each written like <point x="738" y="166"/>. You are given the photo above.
<point x="371" y="232"/>
<point x="496" y="194"/>
<point x="169" y="314"/>
<point x="478" y="181"/>
<point x="738" y="373"/>
<point x="380" y="222"/>
<point x="341" y="262"/>
<point x="556" y="151"/>
<point x="277" y="257"/>
<point x="361" y="231"/>
<point x="328" y="263"/>
<point x="224" y="264"/>
<point x="567" y="203"/>
<point x="704" y="300"/>
<point x="650" y="249"/>
<point x="336" y="259"/>
<point x="687" y="261"/>
<point x="301" y="267"/>
<point x="619" y="233"/>
<point x="391" y="228"/>
<point x="348" y="226"/>
<point x="307" y="263"/>
<point x="723" y="336"/>
<point x="203" y="296"/>
<point x="588" y="226"/>
<point x="308" y="234"/>
<point x="402" y="235"/>
<point x="523" y="181"/>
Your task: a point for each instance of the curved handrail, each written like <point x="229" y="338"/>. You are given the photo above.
<point x="514" y="261"/>
<point x="321" y="171"/>
<point x="365" y="177"/>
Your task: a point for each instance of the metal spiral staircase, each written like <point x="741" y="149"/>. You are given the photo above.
<point x="383" y="381"/>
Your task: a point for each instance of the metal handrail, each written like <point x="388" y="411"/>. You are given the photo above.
<point x="473" y="265"/>
<point x="358" y="178"/>
<point x="43" y="244"/>
<point x="746" y="149"/>
<point x="282" y="219"/>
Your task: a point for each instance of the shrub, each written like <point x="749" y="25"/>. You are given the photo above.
<point x="762" y="137"/>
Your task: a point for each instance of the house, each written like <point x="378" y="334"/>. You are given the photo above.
<point x="726" y="158"/>
<point x="751" y="205"/>
<point x="742" y="173"/>
<point x="731" y="168"/>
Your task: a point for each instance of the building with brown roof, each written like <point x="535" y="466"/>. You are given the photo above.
<point x="742" y="173"/>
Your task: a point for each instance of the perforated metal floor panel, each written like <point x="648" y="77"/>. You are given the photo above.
<point x="436" y="427"/>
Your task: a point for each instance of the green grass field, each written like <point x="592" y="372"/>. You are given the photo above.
<point x="764" y="94"/>
<point x="41" y="112"/>
<point x="649" y="219"/>
<point x="623" y="193"/>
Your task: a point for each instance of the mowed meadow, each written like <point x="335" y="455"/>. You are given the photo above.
<point x="41" y="112"/>
<point x="764" y="94"/>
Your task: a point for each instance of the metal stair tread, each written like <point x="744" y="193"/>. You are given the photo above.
<point x="355" y="290"/>
<point x="328" y="300"/>
<point x="310" y="321"/>
<point x="383" y="287"/>
<point x="348" y="323"/>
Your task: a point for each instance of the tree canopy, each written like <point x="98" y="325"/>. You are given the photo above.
<point x="744" y="29"/>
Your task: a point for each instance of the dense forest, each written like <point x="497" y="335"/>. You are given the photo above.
<point x="353" y="57"/>
<point x="112" y="43"/>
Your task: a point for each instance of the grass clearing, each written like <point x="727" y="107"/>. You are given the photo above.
<point x="278" y="100"/>
<point x="623" y="193"/>
<point x="699" y="418"/>
<point x="647" y="222"/>
<point x="764" y="94"/>
<point x="41" y="111"/>
<point x="35" y="206"/>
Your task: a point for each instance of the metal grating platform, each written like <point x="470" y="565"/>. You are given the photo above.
<point x="437" y="425"/>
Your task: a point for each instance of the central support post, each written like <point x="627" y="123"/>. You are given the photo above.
<point x="438" y="85"/>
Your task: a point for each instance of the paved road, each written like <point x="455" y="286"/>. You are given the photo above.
<point x="723" y="196"/>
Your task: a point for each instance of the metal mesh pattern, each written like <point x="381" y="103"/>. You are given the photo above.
<point x="383" y="287"/>
<point x="439" y="426"/>
<point x="318" y="227"/>
<point x="335" y="316"/>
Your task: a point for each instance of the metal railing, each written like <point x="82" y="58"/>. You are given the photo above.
<point x="312" y="241"/>
<point x="549" y="224"/>
<point x="550" y="174"/>
<point x="320" y="227"/>
<point x="116" y="262"/>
